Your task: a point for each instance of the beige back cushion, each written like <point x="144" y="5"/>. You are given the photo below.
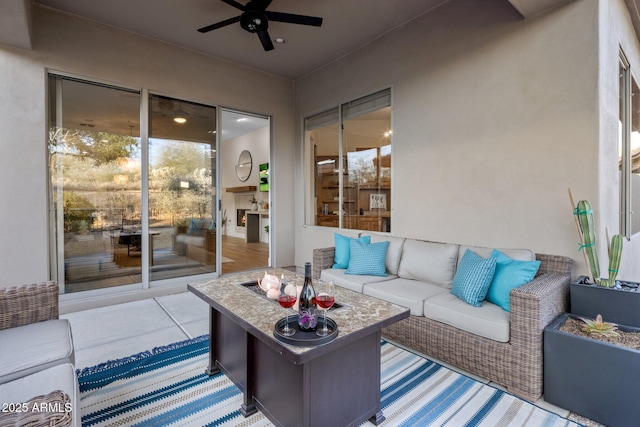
<point x="429" y="262"/>
<point x="519" y="254"/>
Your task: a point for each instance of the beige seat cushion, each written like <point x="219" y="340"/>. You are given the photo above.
<point x="60" y="377"/>
<point x="34" y="347"/>
<point x="405" y="292"/>
<point x="489" y="321"/>
<point x="350" y="281"/>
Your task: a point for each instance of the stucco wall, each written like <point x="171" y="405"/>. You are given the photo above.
<point x="616" y="33"/>
<point x="494" y="118"/>
<point x="85" y="48"/>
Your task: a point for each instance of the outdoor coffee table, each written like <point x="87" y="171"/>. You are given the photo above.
<point x="336" y="383"/>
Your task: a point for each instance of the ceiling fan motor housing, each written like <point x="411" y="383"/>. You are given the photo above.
<point x="254" y="21"/>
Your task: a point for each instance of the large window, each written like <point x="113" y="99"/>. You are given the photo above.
<point x="127" y="209"/>
<point x="629" y="151"/>
<point x="348" y="161"/>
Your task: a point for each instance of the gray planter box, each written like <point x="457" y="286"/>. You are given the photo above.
<point x="620" y="306"/>
<point x="592" y="378"/>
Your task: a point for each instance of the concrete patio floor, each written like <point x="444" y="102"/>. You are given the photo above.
<point x="122" y="330"/>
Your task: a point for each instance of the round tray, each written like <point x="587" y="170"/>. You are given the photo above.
<point x="305" y="339"/>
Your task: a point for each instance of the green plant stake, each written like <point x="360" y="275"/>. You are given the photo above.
<point x="585" y="218"/>
<point x="615" y="254"/>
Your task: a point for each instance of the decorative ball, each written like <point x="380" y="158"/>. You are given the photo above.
<point x="269" y="281"/>
<point x="273" y="293"/>
<point x="290" y="289"/>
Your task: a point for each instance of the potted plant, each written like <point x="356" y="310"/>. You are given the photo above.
<point x="616" y="300"/>
<point x="254" y="203"/>
<point x="592" y="368"/>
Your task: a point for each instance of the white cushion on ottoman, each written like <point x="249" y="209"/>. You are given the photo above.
<point x="34" y="347"/>
<point x="60" y="377"/>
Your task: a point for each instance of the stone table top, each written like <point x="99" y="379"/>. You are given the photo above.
<point x="359" y="314"/>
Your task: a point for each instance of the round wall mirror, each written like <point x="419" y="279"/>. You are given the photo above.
<point x="243" y="168"/>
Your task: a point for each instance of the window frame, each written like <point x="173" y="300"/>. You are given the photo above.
<point x="627" y="82"/>
<point x="338" y="115"/>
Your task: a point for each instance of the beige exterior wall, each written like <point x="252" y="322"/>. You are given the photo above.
<point x="84" y="48"/>
<point x="616" y="33"/>
<point x="494" y="118"/>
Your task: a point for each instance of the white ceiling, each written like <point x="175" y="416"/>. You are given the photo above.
<point x="348" y="25"/>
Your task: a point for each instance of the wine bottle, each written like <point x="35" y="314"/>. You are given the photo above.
<point x="307" y="317"/>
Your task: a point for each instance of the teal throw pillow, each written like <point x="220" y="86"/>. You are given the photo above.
<point x="368" y="258"/>
<point x="473" y="278"/>
<point x="343" y="251"/>
<point x="510" y="274"/>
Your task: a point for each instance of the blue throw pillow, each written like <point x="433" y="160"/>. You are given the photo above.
<point x="368" y="259"/>
<point x="510" y="274"/>
<point x="343" y="251"/>
<point x="473" y="278"/>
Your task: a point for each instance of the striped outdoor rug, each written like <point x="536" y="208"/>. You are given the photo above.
<point x="168" y="386"/>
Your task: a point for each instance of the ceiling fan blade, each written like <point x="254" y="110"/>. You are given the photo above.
<point x="219" y="24"/>
<point x="265" y="39"/>
<point x="234" y="4"/>
<point x="293" y="19"/>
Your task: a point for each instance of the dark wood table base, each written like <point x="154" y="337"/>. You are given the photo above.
<point x="333" y="384"/>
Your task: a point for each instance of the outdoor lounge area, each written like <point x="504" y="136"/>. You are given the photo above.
<point x="134" y="334"/>
<point x="150" y="154"/>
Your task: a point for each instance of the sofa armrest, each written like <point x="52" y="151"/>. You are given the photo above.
<point x="322" y="259"/>
<point x="555" y="264"/>
<point x="24" y="304"/>
<point x="535" y="304"/>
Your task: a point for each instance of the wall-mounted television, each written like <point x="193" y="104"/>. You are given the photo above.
<point x="264" y="177"/>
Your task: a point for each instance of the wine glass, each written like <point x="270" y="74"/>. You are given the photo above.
<point x="286" y="301"/>
<point x="325" y="300"/>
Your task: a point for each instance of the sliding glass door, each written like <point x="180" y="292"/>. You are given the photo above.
<point x="130" y="204"/>
<point x="182" y="217"/>
<point x="95" y="186"/>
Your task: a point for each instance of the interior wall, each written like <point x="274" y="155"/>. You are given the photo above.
<point x="494" y="119"/>
<point x="85" y="48"/>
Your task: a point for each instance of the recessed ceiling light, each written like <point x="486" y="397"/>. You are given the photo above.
<point x="280" y="40"/>
<point x="180" y="120"/>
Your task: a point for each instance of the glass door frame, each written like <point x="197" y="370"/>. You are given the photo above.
<point x="57" y="268"/>
<point x="255" y="167"/>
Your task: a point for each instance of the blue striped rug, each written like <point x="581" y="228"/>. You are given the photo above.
<point x="168" y="386"/>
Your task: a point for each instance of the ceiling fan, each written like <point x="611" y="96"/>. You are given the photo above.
<point x="255" y="19"/>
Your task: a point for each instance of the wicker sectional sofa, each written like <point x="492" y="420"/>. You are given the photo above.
<point x="38" y="383"/>
<point x="501" y="346"/>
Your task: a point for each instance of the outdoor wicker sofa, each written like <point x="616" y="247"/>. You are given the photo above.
<point x="37" y="354"/>
<point x="512" y="358"/>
